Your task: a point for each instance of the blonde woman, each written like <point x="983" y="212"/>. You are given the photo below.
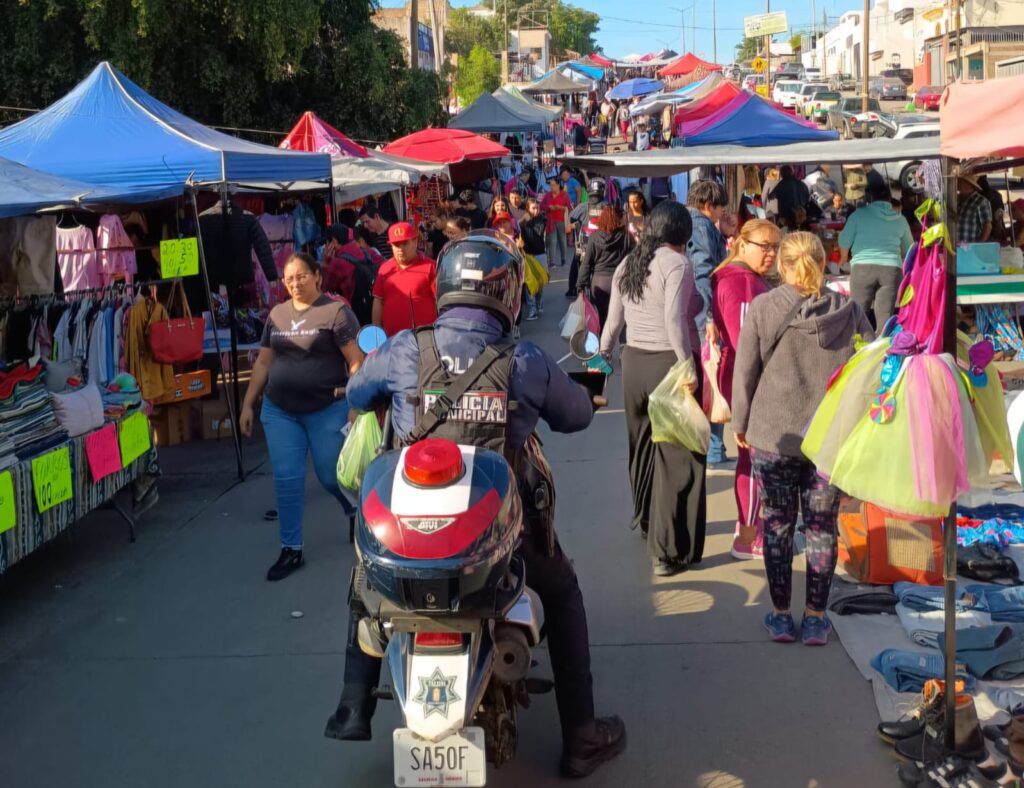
<point x="793" y="339"/>
<point x="734" y="285"/>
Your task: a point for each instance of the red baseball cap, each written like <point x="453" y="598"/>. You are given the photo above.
<point x="502" y="217"/>
<point x="400" y="232"/>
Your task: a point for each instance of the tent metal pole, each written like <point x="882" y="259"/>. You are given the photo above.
<point x="949" y="210"/>
<point x="235" y="435"/>
<point x="236" y="399"/>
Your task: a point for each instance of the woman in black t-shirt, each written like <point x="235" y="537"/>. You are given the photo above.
<point x="308" y="352"/>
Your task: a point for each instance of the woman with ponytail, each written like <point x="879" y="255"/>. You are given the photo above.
<point x="735" y="284"/>
<point x="654" y="296"/>
<point x="793" y="339"/>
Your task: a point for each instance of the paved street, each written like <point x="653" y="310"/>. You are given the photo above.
<point x="172" y="662"/>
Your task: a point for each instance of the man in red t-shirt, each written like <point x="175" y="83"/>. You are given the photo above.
<point x="405" y="293"/>
<point x="556" y="206"/>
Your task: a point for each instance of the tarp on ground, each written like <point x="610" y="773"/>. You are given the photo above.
<point x="556" y="82"/>
<point x="488" y="114"/>
<point x="109" y="131"/>
<point x="687" y="64"/>
<point x="313" y="134"/>
<point x="514" y="97"/>
<point x="983" y="119"/>
<point x="661" y="163"/>
<point x="24" y="191"/>
<point x="755" y="123"/>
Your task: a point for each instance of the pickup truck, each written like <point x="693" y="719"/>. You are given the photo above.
<point x="849" y="120"/>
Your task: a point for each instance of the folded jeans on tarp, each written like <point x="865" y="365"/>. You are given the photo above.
<point x="849" y="598"/>
<point x="924" y="626"/>
<point x="1005" y="603"/>
<point x="907" y="671"/>
<point x="923" y="598"/>
<point x="995" y="652"/>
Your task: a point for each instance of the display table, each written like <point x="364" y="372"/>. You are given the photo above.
<point x="33" y="529"/>
<point x="995" y="289"/>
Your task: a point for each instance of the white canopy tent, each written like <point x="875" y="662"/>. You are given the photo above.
<point x="381" y="172"/>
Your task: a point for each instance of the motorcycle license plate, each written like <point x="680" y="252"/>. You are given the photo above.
<point x="458" y="759"/>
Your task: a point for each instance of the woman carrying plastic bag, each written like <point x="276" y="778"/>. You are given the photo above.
<point x="675" y="415"/>
<point x="360" y="448"/>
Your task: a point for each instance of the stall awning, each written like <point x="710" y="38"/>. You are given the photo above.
<point x="513" y="97"/>
<point x="556" y="82"/>
<point x="108" y="130"/>
<point x="657" y="163"/>
<point x="983" y="119"/>
<point x="687" y="64"/>
<point x="488" y="114"/>
<point x="380" y="172"/>
<point x="24" y="191"/>
<point x="752" y="121"/>
<point x="446" y="146"/>
<point x="315" y="135"/>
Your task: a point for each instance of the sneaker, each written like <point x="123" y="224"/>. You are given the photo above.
<point x="286" y="563"/>
<point x="723" y="468"/>
<point x="666" y="567"/>
<point x="532" y="315"/>
<point x="605" y="740"/>
<point x="781" y="627"/>
<point x="540" y="308"/>
<point x="816" y="630"/>
<point x="747" y="552"/>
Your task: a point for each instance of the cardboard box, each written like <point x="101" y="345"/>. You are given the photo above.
<point x="188" y="385"/>
<point x="214" y="419"/>
<point x="171" y="425"/>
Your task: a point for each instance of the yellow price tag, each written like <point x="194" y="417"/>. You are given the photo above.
<point x="179" y="257"/>
<point x="134" y="437"/>
<point x="51" y="478"/>
<point x="8" y="515"/>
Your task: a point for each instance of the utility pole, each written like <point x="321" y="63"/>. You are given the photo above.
<point x="504" y="59"/>
<point x="864" y="57"/>
<point x="958" y="71"/>
<point x="414" y="34"/>
<point x="714" y="32"/>
<point x="768" y="56"/>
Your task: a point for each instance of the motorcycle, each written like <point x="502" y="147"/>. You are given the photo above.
<point x="442" y="598"/>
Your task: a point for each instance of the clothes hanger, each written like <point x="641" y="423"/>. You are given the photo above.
<point x="65" y="216"/>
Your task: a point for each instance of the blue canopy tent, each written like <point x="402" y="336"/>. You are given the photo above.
<point x="24" y="191"/>
<point x="591" y="72"/>
<point x="757" y="124"/>
<point x="108" y="130"/>
<point x="635" y="87"/>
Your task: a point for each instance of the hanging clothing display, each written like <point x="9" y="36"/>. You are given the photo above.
<point x="306" y="229"/>
<point x="76" y="258"/>
<point x="155" y="379"/>
<point x="115" y="251"/>
<point x="28" y="254"/>
<point x="279" y="229"/>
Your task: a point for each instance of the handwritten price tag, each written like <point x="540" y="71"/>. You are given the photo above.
<point x="101" y="448"/>
<point x="134" y="437"/>
<point x="51" y="478"/>
<point x="8" y="515"/>
<point x="179" y="257"/>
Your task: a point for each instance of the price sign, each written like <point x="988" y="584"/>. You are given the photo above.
<point x="51" y="479"/>
<point x="8" y="515"/>
<point x="102" y="450"/>
<point x="179" y="257"/>
<point x="134" y="437"/>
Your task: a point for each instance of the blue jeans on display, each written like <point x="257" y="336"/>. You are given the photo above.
<point x="907" y="671"/>
<point x="290" y="437"/>
<point x="914" y="596"/>
<point x="1006" y="603"/>
<point x="716" y="449"/>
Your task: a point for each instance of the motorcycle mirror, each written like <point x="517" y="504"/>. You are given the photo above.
<point x="370" y="338"/>
<point x="584" y="344"/>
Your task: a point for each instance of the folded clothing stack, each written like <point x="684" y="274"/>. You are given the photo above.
<point x="849" y="598"/>
<point x="921" y="611"/>
<point x="996" y="531"/>
<point x="28" y="425"/>
<point x="121" y="396"/>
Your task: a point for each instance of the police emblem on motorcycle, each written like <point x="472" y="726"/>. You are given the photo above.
<point x="436" y="693"/>
<point x="427" y="525"/>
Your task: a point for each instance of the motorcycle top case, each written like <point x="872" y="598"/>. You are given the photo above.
<point x="439" y="547"/>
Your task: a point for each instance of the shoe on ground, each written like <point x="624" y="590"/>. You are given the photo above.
<point x="351" y="721"/>
<point x="270" y="515"/>
<point x="532" y="315"/>
<point x="723" y="468"/>
<point x="815" y="630"/>
<point x="928" y="712"/>
<point x="540" y="309"/>
<point x="952" y="771"/>
<point x="747" y="552"/>
<point x="781" y="627"/>
<point x="666" y="567"/>
<point x="286" y="563"/>
<point x="603" y="741"/>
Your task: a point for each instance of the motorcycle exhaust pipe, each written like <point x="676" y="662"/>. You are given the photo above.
<point x="512" y="654"/>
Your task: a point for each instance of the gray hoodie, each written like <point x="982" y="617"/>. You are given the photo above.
<point x="772" y="406"/>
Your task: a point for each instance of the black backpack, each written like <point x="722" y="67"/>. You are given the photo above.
<point x="362" y="292"/>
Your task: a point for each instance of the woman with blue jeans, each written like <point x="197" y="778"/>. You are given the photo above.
<point x="308" y="352"/>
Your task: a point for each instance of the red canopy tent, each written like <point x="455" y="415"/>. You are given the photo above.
<point x="711" y="104"/>
<point x="982" y="119"/>
<point x="687" y="64"/>
<point x="317" y="136"/>
<point x="446" y="146"/>
<point x="600" y="60"/>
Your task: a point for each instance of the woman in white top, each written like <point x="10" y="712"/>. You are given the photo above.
<point x="654" y="296"/>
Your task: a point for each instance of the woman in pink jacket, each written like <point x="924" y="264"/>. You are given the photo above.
<point x="735" y="283"/>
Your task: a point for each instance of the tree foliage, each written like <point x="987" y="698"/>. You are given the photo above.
<point x="479" y="73"/>
<point x="243" y="63"/>
<point x="571" y="28"/>
<point x="748" y="48"/>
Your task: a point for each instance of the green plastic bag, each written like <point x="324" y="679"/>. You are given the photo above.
<point x="676" y="417"/>
<point x="359" y="450"/>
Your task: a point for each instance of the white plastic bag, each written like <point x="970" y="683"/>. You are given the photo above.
<point x="575" y="318"/>
<point x="676" y="417"/>
<point x="715" y="405"/>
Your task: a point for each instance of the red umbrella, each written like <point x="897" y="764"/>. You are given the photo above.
<point x="314" y="135"/>
<point x="446" y="146"/>
<point x="687" y="64"/>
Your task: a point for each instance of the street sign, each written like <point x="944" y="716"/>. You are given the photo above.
<point x="765" y="24"/>
<point x="759" y="65"/>
<point x="762" y="90"/>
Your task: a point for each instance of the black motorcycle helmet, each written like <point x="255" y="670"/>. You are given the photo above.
<point x="485" y="270"/>
<point x="596" y="189"/>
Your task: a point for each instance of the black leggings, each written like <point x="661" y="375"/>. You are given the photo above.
<point x="873" y="288"/>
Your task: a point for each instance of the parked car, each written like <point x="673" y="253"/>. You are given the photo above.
<point x="841" y="82"/>
<point x="847" y="117"/>
<point x="888" y="88"/>
<point x="928" y="97"/>
<point x="904" y="75"/>
<point x="906" y="174"/>
<point x="790" y="71"/>
<point x="820" y="103"/>
<point x="751" y="82"/>
<point x="807" y="89"/>
<point x="813" y="75"/>
<point x="784" y="92"/>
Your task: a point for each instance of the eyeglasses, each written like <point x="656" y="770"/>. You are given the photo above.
<point x="765" y="247"/>
<point x="294" y="280"/>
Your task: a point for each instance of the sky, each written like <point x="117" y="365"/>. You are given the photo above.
<point x="629" y="27"/>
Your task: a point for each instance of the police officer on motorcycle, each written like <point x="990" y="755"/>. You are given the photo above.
<point x="479" y="292"/>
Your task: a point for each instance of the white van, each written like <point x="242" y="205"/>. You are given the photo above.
<point x="784" y="92"/>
